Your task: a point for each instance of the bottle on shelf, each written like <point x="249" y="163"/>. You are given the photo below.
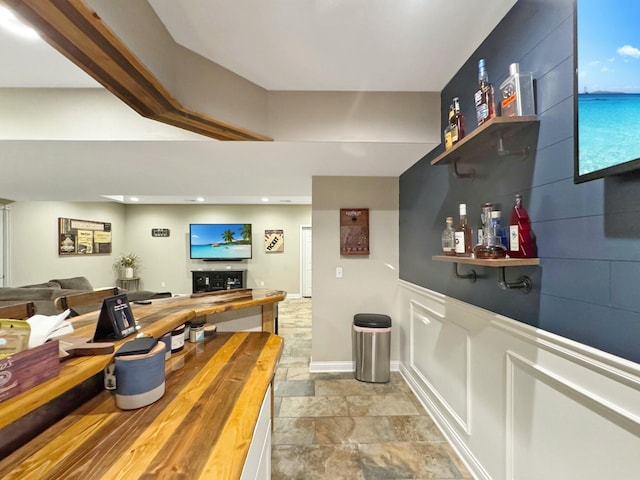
<point x="484" y="97"/>
<point x="522" y="243"/>
<point x="457" y="122"/>
<point x="489" y="247"/>
<point x="517" y="93"/>
<point x="463" y="234"/>
<point x="448" y="130"/>
<point x="498" y="231"/>
<point x="449" y="238"/>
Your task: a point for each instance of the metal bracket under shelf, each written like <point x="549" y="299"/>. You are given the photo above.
<point x="523" y="152"/>
<point x="464" y="276"/>
<point x="523" y="282"/>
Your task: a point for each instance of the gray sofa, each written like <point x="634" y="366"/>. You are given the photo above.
<point x="44" y="294"/>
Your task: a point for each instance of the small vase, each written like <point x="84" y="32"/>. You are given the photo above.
<point x="128" y="272"/>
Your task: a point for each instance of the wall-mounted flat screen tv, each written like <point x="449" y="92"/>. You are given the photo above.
<point x="220" y="241"/>
<point x="607" y="88"/>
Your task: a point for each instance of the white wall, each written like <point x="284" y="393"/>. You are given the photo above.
<point x="34" y="232"/>
<point x="517" y="402"/>
<point x="34" y="242"/>
<point x="369" y="284"/>
<point x="167" y="259"/>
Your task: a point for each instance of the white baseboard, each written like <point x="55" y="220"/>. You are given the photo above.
<point x="294" y="295"/>
<point x="348" y="366"/>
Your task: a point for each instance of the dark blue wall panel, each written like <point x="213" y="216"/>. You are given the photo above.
<point x="588" y="234"/>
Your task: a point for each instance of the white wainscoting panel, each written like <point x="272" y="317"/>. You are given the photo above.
<point x="440" y="358"/>
<point x="516" y="402"/>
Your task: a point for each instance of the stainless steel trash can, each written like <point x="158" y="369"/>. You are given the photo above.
<point x="372" y="347"/>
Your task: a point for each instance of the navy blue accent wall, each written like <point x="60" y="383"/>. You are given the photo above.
<point x="587" y="287"/>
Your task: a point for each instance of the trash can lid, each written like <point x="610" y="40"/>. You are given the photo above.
<point x="371" y="320"/>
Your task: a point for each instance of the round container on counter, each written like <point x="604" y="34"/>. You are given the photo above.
<point x="166" y="339"/>
<point x="196" y="334"/>
<point x="187" y="330"/>
<point x="177" y="339"/>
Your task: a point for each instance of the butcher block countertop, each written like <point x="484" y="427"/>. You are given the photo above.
<point x="201" y="428"/>
<point x="162" y="316"/>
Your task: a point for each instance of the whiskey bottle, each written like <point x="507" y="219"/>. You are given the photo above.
<point x="485" y="103"/>
<point x="448" y="130"/>
<point x="463" y="234"/>
<point x="522" y="243"/>
<point x="457" y="122"/>
<point x="449" y="239"/>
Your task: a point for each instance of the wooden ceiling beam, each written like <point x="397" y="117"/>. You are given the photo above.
<point x="78" y="32"/>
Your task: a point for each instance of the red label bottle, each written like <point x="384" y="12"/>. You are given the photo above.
<point x="522" y="243"/>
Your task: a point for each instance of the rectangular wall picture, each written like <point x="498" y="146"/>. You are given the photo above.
<point x="83" y="237"/>
<point x="354" y="231"/>
<point x="273" y="241"/>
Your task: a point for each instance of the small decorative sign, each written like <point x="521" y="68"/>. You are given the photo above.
<point x="354" y="231"/>
<point x="160" y="232"/>
<point x="273" y="241"/>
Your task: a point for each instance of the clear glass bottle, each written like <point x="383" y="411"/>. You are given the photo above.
<point x="463" y="235"/>
<point x="489" y="247"/>
<point x="457" y="122"/>
<point x="498" y="231"/>
<point x="484" y="96"/>
<point x="522" y="243"/>
<point x="517" y="93"/>
<point x="449" y="238"/>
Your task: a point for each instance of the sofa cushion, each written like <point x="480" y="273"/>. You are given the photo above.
<point x="50" y="284"/>
<point x="74" y="283"/>
<point x="27" y="294"/>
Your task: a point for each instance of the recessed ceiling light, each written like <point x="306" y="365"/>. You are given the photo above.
<point x="134" y="199"/>
<point x="265" y="199"/>
<point x="11" y="23"/>
<point x="200" y="199"/>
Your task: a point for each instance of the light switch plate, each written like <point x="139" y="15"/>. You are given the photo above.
<point x="338" y="272"/>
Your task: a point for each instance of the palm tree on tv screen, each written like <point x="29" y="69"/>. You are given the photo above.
<point x="227" y="236"/>
<point x="246" y="232"/>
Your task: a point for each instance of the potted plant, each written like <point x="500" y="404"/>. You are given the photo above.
<point x="127" y="263"/>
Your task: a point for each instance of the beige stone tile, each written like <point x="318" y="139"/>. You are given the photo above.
<point x="293" y="431"/>
<point x="406" y="460"/>
<point x="313" y="407"/>
<point x="315" y="462"/>
<point x="336" y="430"/>
<point x="415" y="428"/>
<point x="386" y="405"/>
<point x="294" y="373"/>
<point x="294" y="388"/>
<point x="294" y="362"/>
<point x="344" y="387"/>
<point x="456" y="460"/>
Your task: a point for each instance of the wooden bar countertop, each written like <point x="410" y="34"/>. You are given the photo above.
<point x="156" y="319"/>
<point x="201" y="428"/>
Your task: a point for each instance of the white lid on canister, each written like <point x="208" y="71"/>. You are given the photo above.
<point x="514" y="68"/>
<point x="463" y="209"/>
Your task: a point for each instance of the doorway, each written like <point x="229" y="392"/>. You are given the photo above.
<point x="306" y="263"/>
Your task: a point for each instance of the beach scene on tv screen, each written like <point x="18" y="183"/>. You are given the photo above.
<point x="608" y="36"/>
<point x="223" y="241"/>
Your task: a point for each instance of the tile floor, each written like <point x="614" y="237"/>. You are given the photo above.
<point x="330" y="426"/>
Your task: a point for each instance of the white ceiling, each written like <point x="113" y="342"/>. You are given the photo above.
<point x="363" y="45"/>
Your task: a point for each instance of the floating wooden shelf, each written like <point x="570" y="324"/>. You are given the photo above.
<point x="497" y="262"/>
<point x="488" y="140"/>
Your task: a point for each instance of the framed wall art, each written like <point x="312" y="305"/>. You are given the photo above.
<point x="273" y="241"/>
<point x="83" y="237"/>
<point x="354" y="231"/>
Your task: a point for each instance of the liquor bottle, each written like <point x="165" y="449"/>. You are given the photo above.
<point x="449" y="238"/>
<point x="485" y="103"/>
<point x="489" y="247"/>
<point x="448" y="130"/>
<point x="517" y="93"/>
<point x="457" y="122"/>
<point x="498" y="231"/>
<point x="522" y="243"/>
<point x="463" y="235"/>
